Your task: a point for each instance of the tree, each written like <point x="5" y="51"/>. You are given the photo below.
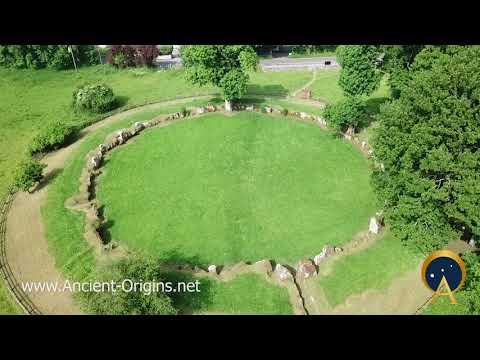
<point x="428" y="141"/>
<point x="359" y="74"/>
<point x="225" y="66"/>
<point x="46" y="56"/>
<point x="397" y="60"/>
<point x="28" y="173"/>
<point x="134" y="269"/>
<point x="345" y="114"/>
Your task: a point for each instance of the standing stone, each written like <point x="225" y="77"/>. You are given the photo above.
<point x="306" y="269"/>
<point x="268" y="109"/>
<point x="374" y="226"/>
<point x="200" y="110"/>
<point x="304" y="115"/>
<point x="249" y="108"/>
<point x="212" y="269"/>
<point x="472" y="243"/>
<point x="228" y="105"/>
<point x="364" y="144"/>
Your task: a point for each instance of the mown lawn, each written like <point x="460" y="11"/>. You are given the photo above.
<point x="326" y="89"/>
<point x="373" y="268"/>
<point x="223" y="189"/>
<point x="245" y="294"/>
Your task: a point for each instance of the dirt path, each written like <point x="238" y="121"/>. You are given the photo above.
<point x="27" y="246"/>
<point x="308" y="84"/>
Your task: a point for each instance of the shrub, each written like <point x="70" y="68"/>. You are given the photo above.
<point x="166" y="49"/>
<point x="136" y="269"/>
<point x="121" y="56"/>
<point x="349" y="112"/>
<point x="146" y="54"/>
<point x="284" y="112"/>
<point x="51" y="137"/>
<point x="28" y="173"/>
<point x="98" y="98"/>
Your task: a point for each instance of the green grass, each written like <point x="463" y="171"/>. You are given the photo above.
<point x="326" y="89"/>
<point x="275" y="83"/>
<point x="373" y="268"/>
<point x="65" y="228"/>
<point x="223" y="189"/>
<point x="248" y="294"/>
<point x="31" y="98"/>
<point x="245" y="294"/>
<point x="7" y="305"/>
<point x="443" y="306"/>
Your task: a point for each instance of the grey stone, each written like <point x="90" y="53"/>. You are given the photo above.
<point x="374" y="225"/>
<point x="212" y="269"/>
<point x="282" y="272"/>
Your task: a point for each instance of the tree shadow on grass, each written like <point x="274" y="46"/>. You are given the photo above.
<point x="267" y="90"/>
<point x="372" y="108"/>
<point x="48" y="178"/>
<point x="190" y="299"/>
<point x="193" y="295"/>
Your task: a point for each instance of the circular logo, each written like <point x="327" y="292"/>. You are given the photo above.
<point x="443" y="264"/>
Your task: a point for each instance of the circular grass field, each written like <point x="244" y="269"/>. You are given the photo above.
<point x="222" y="189"/>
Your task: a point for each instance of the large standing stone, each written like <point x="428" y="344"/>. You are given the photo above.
<point x="306" y="269"/>
<point x="228" y="106"/>
<point x="374" y="226"/>
<point x="212" y="269"/>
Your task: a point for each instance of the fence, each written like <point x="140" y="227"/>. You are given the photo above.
<point x="11" y="283"/>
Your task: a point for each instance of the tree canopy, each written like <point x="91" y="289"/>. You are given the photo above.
<point x="225" y="66"/>
<point x="428" y="140"/>
<point x="359" y="74"/>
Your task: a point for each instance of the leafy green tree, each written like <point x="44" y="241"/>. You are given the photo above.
<point x="347" y="113"/>
<point x="472" y="283"/>
<point x="46" y="56"/>
<point x="397" y="60"/>
<point x="134" y="269"/>
<point x="359" y="74"/>
<point x="225" y="66"/>
<point x="428" y="141"/>
<point x="28" y="173"/>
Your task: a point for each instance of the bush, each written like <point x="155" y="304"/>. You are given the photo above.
<point x="120" y="302"/>
<point x="28" y="173"/>
<point x="98" y="98"/>
<point x="284" y="112"/>
<point x="121" y="56"/>
<point x="349" y="112"/>
<point x="166" y="49"/>
<point x="51" y="137"/>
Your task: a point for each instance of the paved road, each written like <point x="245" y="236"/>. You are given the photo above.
<point x="285" y="63"/>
